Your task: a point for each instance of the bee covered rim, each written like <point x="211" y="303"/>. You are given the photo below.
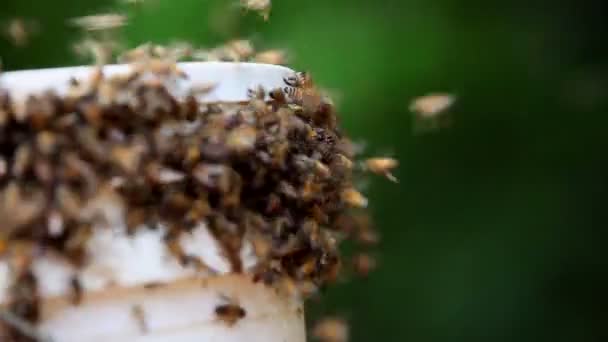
<point x="230" y="80"/>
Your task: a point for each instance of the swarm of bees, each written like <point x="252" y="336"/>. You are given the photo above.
<point x="278" y="172"/>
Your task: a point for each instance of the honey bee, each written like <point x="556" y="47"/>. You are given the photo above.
<point x="302" y="92"/>
<point x="101" y="51"/>
<point x="77" y="293"/>
<point x="138" y="314"/>
<point x="100" y="22"/>
<point x="3" y="167"/>
<point x="230" y="312"/>
<point x="19" y="31"/>
<point x="21" y="325"/>
<point x="300" y="79"/>
<point x="278" y="57"/>
<point x="363" y="264"/>
<point x="278" y="95"/>
<point x="331" y="330"/>
<point x="235" y="51"/>
<point x="354" y="198"/>
<point x="261" y="6"/>
<point x="431" y="105"/>
<point x="257" y="93"/>
<point x="382" y="166"/>
<point x="367" y="236"/>
<point x="241" y="139"/>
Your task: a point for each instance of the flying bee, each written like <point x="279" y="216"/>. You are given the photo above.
<point x="363" y="264"/>
<point x="19" y="31"/>
<point x="278" y="57"/>
<point x="261" y="6"/>
<point x="230" y="312"/>
<point x="100" y="22"/>
<point x="235" y="50"/>
<point x="382" y="166"/>
<point x="331" y="330"/>
<point x="431" y="105"/>
<point x="101" y="51"/>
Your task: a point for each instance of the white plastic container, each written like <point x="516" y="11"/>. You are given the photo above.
<point x="133" y="288"/>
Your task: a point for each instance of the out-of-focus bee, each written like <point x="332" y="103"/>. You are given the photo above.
<point x="138" y="314"/>
<point x="101" y="51"/>
<point x="19" y="31"/>
<point x="382" y="166"/>
<point x="3" y="167"/>
<point x="229" y="312"/>
<point x="261" y="6"/>
<point x="100" y="22"/>
<point x="331" y="330"/>
<point x="258" y="93"/>
<point x="21" y="325"/>
<point x="241" y="139"/>
<point x="237" y="50"/>
<point x="431" y="105"/>
<point x="354" y="198"/>
<point x="363" y="264"/>
<point x="278" y="57"/>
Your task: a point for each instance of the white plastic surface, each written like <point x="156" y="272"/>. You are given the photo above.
<point x="181" y="312"/>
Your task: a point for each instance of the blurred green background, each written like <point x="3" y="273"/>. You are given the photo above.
<point x="496" y="230"/>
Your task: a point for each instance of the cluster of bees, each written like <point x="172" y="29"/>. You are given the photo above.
<point x="277" y="173"/>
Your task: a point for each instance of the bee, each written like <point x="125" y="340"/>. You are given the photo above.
<point x="300" y="79"/>
<point x="382" y="166"/>
<point x="229" y="312"/>
<point x="235" y="50"/>
<point x="302" y="92"/>
<point x="241" y="139"/>
<point x="331" y="330"/>
<point x="101" y="51"/>
<point x="19" y="31"/>
<point x="261" y="6"/>
<point x="354" y="198"/>
<point x="21" y="325"/>
<point x="367" y="236"/>
<point x="18" y="209"/>
<point x="278" y="57"/>
<point x="363" y="264"/>
<point x="257" y="93"/>
<point x="3" y="167"/>
<point x="321" y="169"/>
<point x="138" y="314"/>
<point x="431" y="105"/>
<point x="100" y="22"/>
<point x="278" y="95"/>
<point x="77" y="293"/>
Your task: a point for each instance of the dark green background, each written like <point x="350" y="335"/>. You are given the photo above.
<point x="497" y="228"/>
